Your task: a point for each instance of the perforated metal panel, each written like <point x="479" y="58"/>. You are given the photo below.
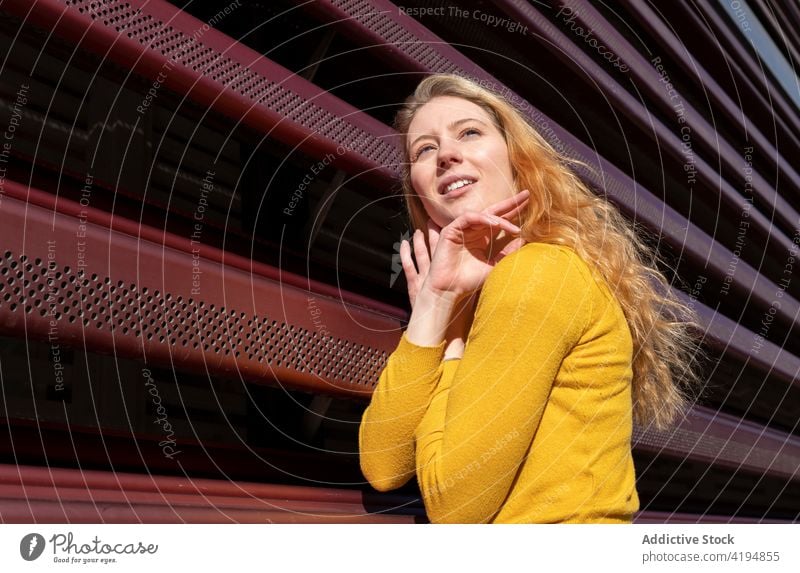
<point x="180" y="48"/>
<point x="156" y="37"/>
<point x="32" y="286"/>
<point x="156" y="308"/>
<point x="380" y="19"/>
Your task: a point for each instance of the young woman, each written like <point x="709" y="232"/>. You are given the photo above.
<point x="540" y="328"/>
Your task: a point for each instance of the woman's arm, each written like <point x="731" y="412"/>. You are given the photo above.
<point x="458" y="330"/>
<point x="400" y="399"/>
<point x="386" y="434"/>
<point x="533" y="309"/>
<point x="405" y="387"/>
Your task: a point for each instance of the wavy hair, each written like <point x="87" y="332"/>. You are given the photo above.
<point x="562" y="210"/>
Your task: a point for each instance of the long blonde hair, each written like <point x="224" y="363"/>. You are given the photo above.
<point x="563" y="211"/>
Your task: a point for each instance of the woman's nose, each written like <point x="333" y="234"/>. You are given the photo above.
<point x="448" y="153"/>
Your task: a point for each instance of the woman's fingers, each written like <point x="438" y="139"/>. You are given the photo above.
<point x="421" y="252"/>
<point x="482" y="220"/>
<point x="433" y="235"/>
<point x="462" y="263"/>
<point x="509" y="248"/>
<point x="408" y="264"/>
<point x="511" y="207"/>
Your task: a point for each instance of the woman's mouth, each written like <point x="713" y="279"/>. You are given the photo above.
<point x="458" y="188"/>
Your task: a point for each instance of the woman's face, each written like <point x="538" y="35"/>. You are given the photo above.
<point x="459" y="159"/>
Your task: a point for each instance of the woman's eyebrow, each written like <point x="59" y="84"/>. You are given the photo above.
<point x="451" y="127"/>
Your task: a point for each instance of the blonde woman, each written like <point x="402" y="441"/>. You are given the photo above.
<point x="540" y="328"/>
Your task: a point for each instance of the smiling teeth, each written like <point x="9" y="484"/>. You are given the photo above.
<point x="458" y="184"/>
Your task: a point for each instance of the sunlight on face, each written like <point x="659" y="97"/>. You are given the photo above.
<point x="459" y="159"/>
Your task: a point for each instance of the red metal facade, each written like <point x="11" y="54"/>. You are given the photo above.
<point x="91" y="279"/>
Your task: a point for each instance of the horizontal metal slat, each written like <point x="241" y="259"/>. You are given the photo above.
<point x="648" y="81"/>
<point x="70" y="495"/>
<point x="61" y="511"/>
<point x="726" y="441"/>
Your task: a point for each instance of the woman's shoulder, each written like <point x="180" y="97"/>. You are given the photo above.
<point x="562" y="263"/>
<point x="553" y="268"/>
<point x="551" y="258"/>
<point x="547" y="281"/>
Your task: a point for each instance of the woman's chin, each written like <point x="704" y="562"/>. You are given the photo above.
<point x="465" y="205"/>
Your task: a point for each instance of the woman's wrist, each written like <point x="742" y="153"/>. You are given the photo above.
<point x="431" y="317"/>
<point x="459" y="327"/>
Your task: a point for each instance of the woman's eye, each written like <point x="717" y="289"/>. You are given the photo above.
<point x="422" y="150"/>
<point x="467" y="132"/>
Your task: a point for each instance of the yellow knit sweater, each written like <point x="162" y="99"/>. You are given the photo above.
<point x="533" y="424"/>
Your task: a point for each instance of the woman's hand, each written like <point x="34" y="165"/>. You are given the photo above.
<point x="493" y="217"/>
<point x="467" y="249"/>
<point x="462" y="255"/>
<point x="416" y="274"/>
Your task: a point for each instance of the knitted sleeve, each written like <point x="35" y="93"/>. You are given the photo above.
<point x="400" y="399"/>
